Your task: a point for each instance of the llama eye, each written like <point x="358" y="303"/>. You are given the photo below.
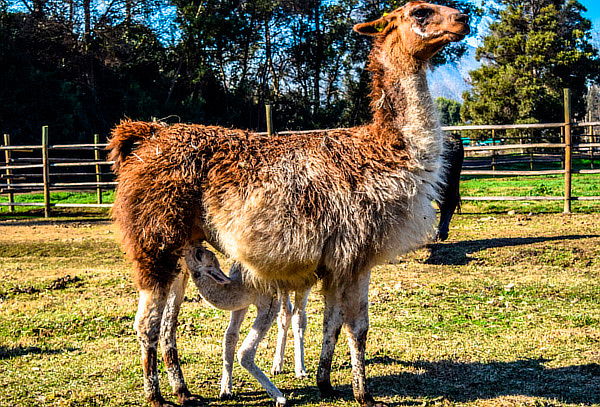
<point x="421" y="14"/>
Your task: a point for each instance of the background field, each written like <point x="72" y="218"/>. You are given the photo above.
<point x="473" y="186"/>
<point x="505" y="314"/>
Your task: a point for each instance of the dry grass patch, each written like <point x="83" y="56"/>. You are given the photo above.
<point x="505" y="314"/>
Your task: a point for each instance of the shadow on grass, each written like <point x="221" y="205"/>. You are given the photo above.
<point x="457" y="253"/>
<point x="467" y="382"/>
<point x="8" y="352"/>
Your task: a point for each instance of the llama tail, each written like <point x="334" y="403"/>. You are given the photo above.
<point x="125" y="135"/>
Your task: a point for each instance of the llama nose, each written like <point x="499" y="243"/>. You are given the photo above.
<point x="461" y="18"/>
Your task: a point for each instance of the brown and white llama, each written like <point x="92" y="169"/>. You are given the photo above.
<point x="291" y="209"/>
<point x="234" y="294"/>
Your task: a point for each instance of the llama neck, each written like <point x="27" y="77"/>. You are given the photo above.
<point x="232" y="296"/>
<point x="404" y="112"/>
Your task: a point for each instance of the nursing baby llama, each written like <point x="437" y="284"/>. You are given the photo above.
<point x="234" y="294"/>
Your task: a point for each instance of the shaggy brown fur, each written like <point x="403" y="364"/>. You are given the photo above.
<point x="180" y="166"/>
<point x="290" y="209"/>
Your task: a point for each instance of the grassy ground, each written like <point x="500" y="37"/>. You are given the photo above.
<point x="505" y="314"/>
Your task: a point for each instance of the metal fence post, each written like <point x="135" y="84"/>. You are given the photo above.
<point x="98" y="176"/>
<point x="568" y="150"/>
<point x="11" y="195"/>
<point x="46" y="171"/>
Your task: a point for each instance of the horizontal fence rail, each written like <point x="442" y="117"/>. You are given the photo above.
<point x="48" y="172"/>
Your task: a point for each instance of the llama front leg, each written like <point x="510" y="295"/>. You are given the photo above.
<point x="299" y="327"/>
<point x="356" y="322"/>
<point x="283" y="323"/>
<point x="147" y="324"/>
<point x="168" y="341"/>
<point x="267" y="308"/>
<point x="230" y="339"/>
<point x="332" y="324"/>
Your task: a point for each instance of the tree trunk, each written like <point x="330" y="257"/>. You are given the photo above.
<point x="269" y="59"/>
<point x="318" y="56"/>
<point x="87" y="22"/>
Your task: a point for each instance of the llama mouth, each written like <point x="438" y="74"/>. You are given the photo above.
<point x="459" y="36"/>
<point x="462" y="33"/>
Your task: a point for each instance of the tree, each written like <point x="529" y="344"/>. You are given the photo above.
<point x="593" y="103"/>
<point x="80" y="66"/>
<point x="449" y="111"/>
<point x="534" y="50"/>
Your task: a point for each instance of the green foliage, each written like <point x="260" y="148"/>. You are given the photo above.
<point x="449" y="111"/>
<point x="81" y="73"/>
<point x="534" y="50"/>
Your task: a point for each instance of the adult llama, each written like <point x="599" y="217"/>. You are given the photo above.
<point x="294" y="209"/>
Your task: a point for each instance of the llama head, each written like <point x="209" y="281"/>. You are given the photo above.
<point x="417" y="29"/>
<point x="202" y="262"/>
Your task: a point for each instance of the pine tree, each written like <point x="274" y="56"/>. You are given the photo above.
<point x="534" y="50"/>
<point x="449" y="111"/>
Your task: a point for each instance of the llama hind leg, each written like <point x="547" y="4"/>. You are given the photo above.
<point x="267" y="308"/>
<point x="168" y="341"/>
<point x="299" y="327"/>
<point x="332" y="324"/>
<point x="147" y="324"/>
<point x="283" y="323"/>
<point x="355" y="311"/>
<point x="230" y="339"/>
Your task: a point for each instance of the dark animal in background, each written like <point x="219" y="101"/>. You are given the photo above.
<point x="449" y="198"/>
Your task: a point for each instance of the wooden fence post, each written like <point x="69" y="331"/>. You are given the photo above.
<point x="11" y="195"/>
<point x="269" y="120"/>
<point x="46" y="171"/>
<point x="98" y="176"/>
<point x="493" y="150"/>
<point x="568" y="149"/>
<point x="591" y="140"/>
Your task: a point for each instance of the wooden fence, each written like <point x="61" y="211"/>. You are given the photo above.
<point x="45" y="171"/>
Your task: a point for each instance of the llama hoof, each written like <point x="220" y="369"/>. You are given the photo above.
<point x="281" y="402"/>
<point x="374" y="404"/>
<point x="369" y="401"/>
<point x="185" y="398"/>
<point x="441" y="236"/>
<point x="328" y="392"/>
<point x="301" y="375"/>
<point x="276" y="371"/>
<point x="226" y="396"/>
<point x="192" y="401"/>
<point x="161" y="402"/>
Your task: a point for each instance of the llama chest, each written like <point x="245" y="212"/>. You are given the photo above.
<point x="289" y="227"/>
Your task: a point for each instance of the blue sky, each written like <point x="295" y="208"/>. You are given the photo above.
<point x="593" y="12"/>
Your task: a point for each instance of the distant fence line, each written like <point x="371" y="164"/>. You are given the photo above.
<point x="101" y="179"/>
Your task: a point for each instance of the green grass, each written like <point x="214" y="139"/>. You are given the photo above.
<point x="548" y="185"/>
<point x="472" y="186"/>
<point x="507" y="313"/>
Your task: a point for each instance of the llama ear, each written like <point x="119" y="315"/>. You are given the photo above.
<point x="216" y="274"/>
<point x="372" y="27"/>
